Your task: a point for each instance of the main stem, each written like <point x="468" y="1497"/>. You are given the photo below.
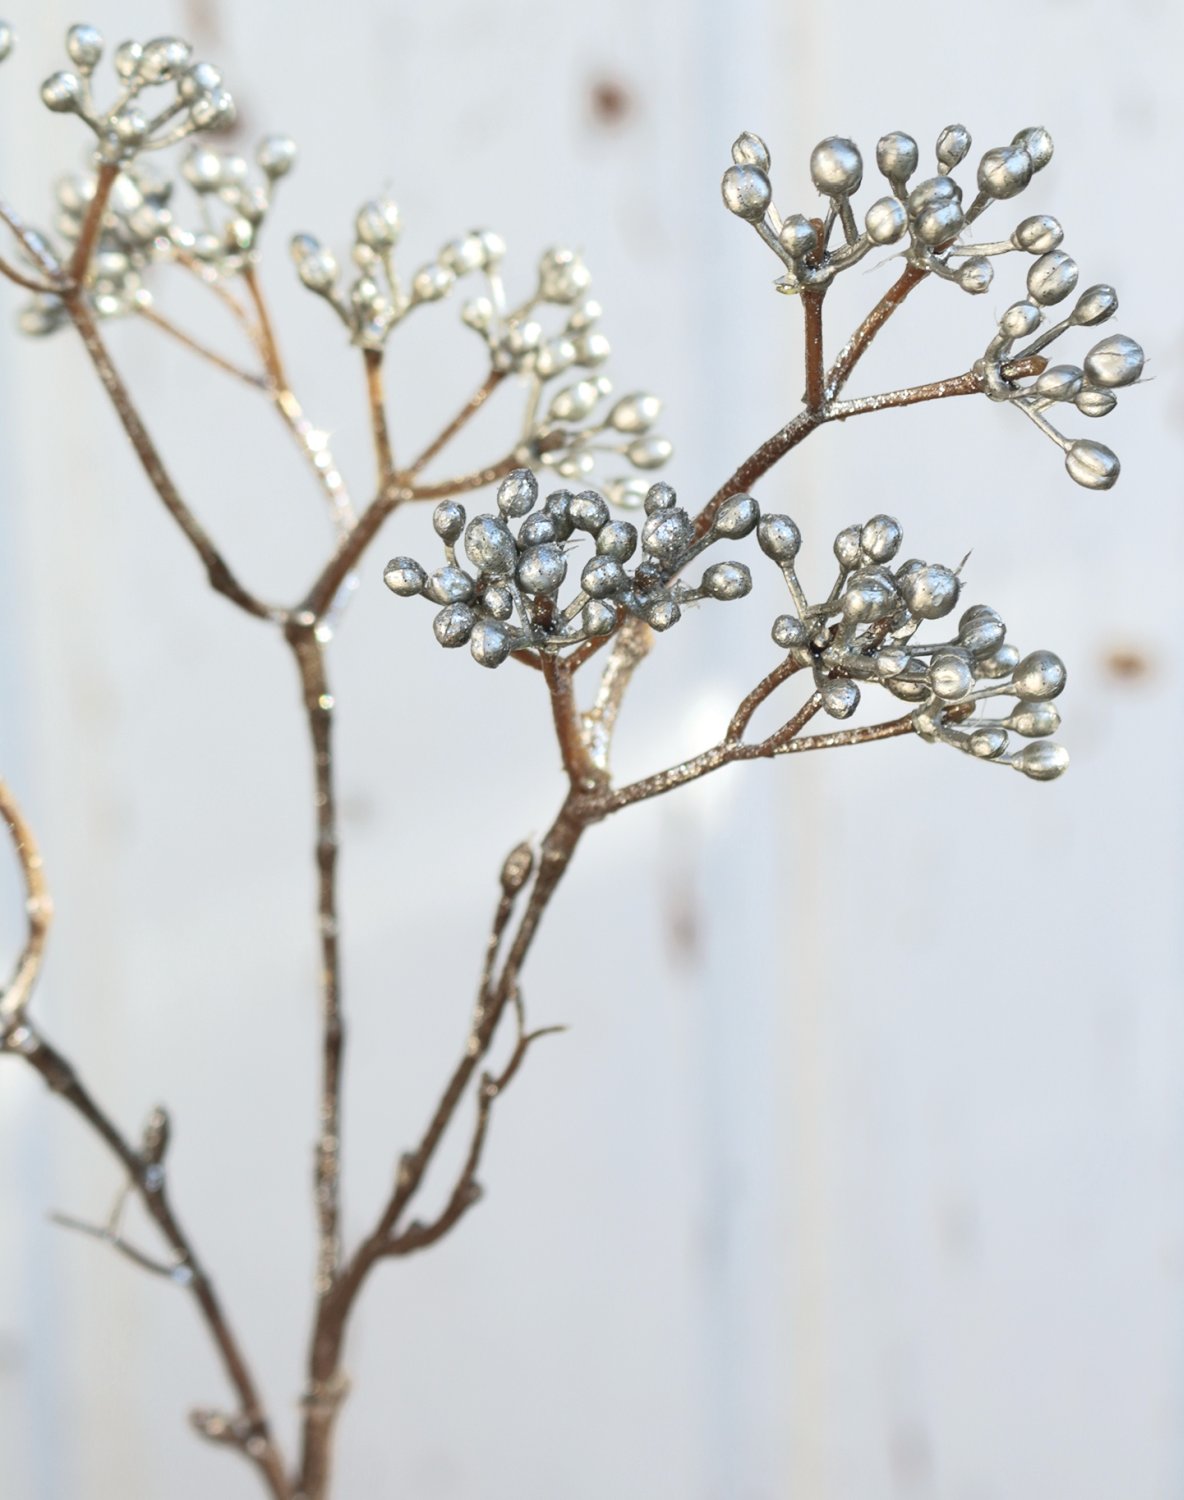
<point x="327" y="1384"/>
<point x="309" y="653"/>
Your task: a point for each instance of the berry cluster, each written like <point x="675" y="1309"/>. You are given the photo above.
<point x="567" y="423"/>
<point x="563" y="433"/>
<point x="510" y="600"/>
<point x="163" y="94"/>
<point x="933" y="218"/>
<point x="863" y="632"/>
<point x="140" y="229"/>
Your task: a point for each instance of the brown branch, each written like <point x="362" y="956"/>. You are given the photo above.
<point x="350" y="548"/>
<point x="969" y="384"/>
<point x="326" y="1386"/>
<point x="217" y="570"/>
<point x="265" y="339"/>
<point x="312" y="444"/>
<point x="467" y="412"/>
<point x="283" y="399"/>
<point x="166" y="325"/>
<point x="577" y="763"/>
<point x="147" y="1177"/>
<point x="555" y="854"/>
<point x="398" y="490"/>
<point x="466" y="1192"/>
<point x="318" y="708"/>
<point x="112" y="1237"/>
<point x="378" y="423"/>
<point x="584" y="653"/>
<point x="46" y="288"/>
<point x="868" y="735"/>
<point x="601" y="803"/>
<point x="860" y="341"/>
<point x="741" y="719"/>
<point x="211" y="283"/>
<point x="498" y="989"/>
<point x="463" y="483"/>
<point x="812" y="299"/>
<point x="262" y="337"/>
<point x="770" y="452"/>
<point x="631" y="645"/>
<point x="61" y="1078"/>
<point x="758" y="463"/>
<point x="34" y="246"/>
<point x="92" y="223"/>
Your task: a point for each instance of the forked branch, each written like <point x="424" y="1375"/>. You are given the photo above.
<point x="21" y="1037"/>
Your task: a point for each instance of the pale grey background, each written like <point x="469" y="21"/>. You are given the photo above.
<point x="860" y="1174"/>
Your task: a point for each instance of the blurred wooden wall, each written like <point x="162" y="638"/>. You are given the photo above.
<point x="860" y="1175"/>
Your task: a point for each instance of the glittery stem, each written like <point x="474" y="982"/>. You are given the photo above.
<point x="376" y="393"/>
<point x="318" y="709"/>
<point x="24" y="1040"/>
<point x="228" y="367"/>
<point x="221" y="578"/>
<point x="389" y="1237"/>
<point x="815" y="369"/>
<point x="80" y="260"/>
<point x="38" y="913"/>
<point x="860" y="341"/>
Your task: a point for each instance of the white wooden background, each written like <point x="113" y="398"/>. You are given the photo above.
<point x="861" y="1173"/>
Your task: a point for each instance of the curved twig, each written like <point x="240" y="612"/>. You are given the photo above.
<point x="38" y="913"/>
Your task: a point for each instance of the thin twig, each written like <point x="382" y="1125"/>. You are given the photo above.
<point x="62" y="1079"/>
<point x="600" y="803"/>
<point x="38" y="913"/>
<point x="112" y="1237"/>
<point x="631" y="646"/>
<point x="166" y="325"/>
<point x="477" y="479"/>
<point x="92" y="223"/>
<point x="217" y="569"/>
<point x="266" y="338"/>
<point x="325" y="1381"/>
<point x="741" y="719"/>
<point x="812" y="299"/>
<point x="860" y="341"/>
<point x="211" y="283"/>
<point x="400" y="489"/>
<point x="868" y="735"/>
<point x="314" y="447"/>
<point x="761" y="460"/>
<point x="45" y="288"/>
<point x="34" y="246"/>
<point x="968" y="384"/>
<point x="466" y="414"/>
<point x="466" y="1191"/>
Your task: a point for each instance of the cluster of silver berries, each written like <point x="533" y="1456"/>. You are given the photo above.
<point x="507" y="600"/>
<point x="864" y="632"/>
<point x="163" y="94"/>
<point x="564" y="428"/>
<point x="933" y="218"/>
<point x="140" y="226"/>
<point x="1090" y="387"/>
